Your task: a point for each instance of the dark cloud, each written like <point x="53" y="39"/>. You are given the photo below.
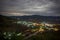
<point x="30" y="7"/>
<point x="56" y="8"/>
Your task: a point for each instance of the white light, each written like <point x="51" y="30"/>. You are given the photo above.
<point x="19" y="34"/>
<point x="4" y="33"/>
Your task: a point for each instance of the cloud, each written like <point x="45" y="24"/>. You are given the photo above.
<point x="35" y="8"/>
<point x="14" y="14"/>
<point x="30" y="7"/>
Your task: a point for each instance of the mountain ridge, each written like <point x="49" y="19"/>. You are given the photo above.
<point x="37" y="18"/>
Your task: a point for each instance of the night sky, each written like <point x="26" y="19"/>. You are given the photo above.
<point x="30" y="7"/>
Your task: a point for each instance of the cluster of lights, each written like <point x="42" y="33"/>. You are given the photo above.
<point x="43" y="24"/>
<point x="8" y="35"/>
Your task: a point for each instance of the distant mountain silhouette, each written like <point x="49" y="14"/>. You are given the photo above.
<point x="50" y="19"/>
<point x="37" y="18"/>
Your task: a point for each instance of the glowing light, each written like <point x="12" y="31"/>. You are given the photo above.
<point x="41" y="29"/>
<point x="55" y="29"/>
<point x="19" y="34"/>
<point x="4" y="33"/>
<point x="33" y="30"/>
<point x="34" y="24"/>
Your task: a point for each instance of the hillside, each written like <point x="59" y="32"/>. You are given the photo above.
<point x="38" y="18"/>
<point x="7" y="24"/>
